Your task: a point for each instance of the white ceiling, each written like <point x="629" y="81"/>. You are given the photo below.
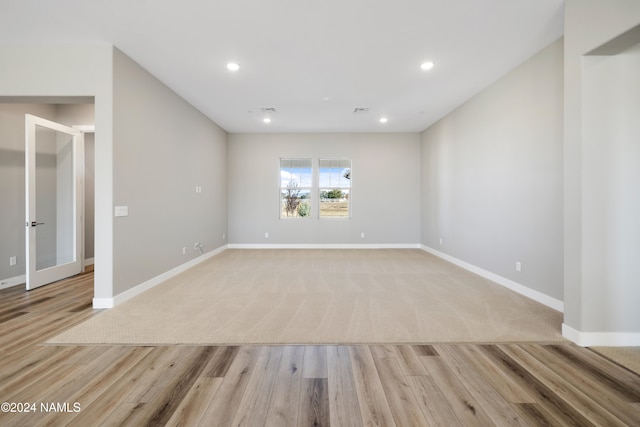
<point x="296" y="54"/>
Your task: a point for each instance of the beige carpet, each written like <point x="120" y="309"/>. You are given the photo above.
<point x="322" y="297"/>
<point x="628" y="357"/>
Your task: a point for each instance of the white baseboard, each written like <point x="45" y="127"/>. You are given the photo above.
<point x="507" y="283"/>
<point x="324" y="246"/>
<point x="601" y="339"/>
<point x="89" y="261"/>
<point x="100" y="303"/>
<point x="13" y="281"/>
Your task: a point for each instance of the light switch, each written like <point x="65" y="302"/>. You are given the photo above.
<point x="122" y="211"/>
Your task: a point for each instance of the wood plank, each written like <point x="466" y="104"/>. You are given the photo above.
<point x="425" y="350"/>
<point x="220" y="361"/>
<point x="32" y="375"/>
<point x="126" y="414"/>
<point x="589" y="408"/>
<point x="13" y="314"/>
<point x="178" y="385"/>
<point x="467" y="408"/>
<point x="315" y="362"/>
<point x="285" y="397"/>
<point x="408" y="360"/>
<point x="344" y="408"/>
<point x="402" y="402"/>
<point x="87" y="355"/>
<point x="435" y="408"/>
<point x="20" y="362"/>
<point x="381" y="351"/>
<point x="599" y="369"/>
<point x="535" y="415"/>
<point x="503" y="383"/>
<point x="164" y="366"/>
<point x="314" y="403"/>
<point x="195" y="402"/>
<point x="612" y="397"/>
<point x="100" y="382"/>
<point x="51" y="384"/>
<point x="255" y="400"/>
<point x="144" y="390"/>
<point x="550" y="402"/>
<point x="114" y="396"/>
<point x="374" y="407"/>
<point x="68" y="391"/>
<point x="225" y="402"/>
<point x="493" y="404"/>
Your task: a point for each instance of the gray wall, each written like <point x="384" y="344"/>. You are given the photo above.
<point x="492" y="177"/>
<point x="89" y="195"/>
<point x="162" y="149"/>
<point x="84" y="115"/>
<point x="602" y="164"/>
<point x="385" y="192"/>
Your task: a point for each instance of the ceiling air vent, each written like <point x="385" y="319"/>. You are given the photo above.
<point x="268" y="109"/>
<point x="360" y="110"/>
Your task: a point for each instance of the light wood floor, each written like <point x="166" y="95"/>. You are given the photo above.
<point x="384" y="385"/>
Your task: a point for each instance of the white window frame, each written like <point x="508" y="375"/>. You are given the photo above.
<point x="320" y="187"/>
<point x="309" y="189"/>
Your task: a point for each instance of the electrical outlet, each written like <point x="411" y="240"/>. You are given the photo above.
<point x="441" y="241"/>
<point x="362" y="235"/>
<point x="518" y="266"/>
<point x="266" y="235"/>
<point x="224" y="236"/>
<point x="12" y="261"/>
<point x="184" y="250"/>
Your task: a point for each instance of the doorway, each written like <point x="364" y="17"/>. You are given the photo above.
<point x="54" y="165"/>
<point x="65" y="110"/>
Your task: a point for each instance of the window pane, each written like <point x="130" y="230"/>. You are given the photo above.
<point x="296" y="171"/>
<point x="335" y="188"/>
<point x="295" y="202"/>
<point x="334" y="203"/>
<point x="335" y="173"/>
<point x="295" y="187"/>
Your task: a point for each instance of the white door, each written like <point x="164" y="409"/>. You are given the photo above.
<point x="53" y="201"/>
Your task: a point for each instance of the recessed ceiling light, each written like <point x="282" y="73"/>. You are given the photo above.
<point x="266" y="120"/>
<point x="383" y="120"/>
<point x="427" y="65"/>
<point x="232" y="66"/>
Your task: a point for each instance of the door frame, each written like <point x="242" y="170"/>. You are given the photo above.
<point x="36" y="278"/>
<point x="85" y="129"/>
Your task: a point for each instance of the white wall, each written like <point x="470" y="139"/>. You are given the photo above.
<point x="602" y="182"/>
<point x="492" y="177"/>
<point x="611" y="190"/>
<point x="385" y="194"/>
<point x="162" y="149"/>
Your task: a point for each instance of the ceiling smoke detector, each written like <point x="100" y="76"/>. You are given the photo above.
<point x="269" y="110"/>
<point x="360" y="110"/>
